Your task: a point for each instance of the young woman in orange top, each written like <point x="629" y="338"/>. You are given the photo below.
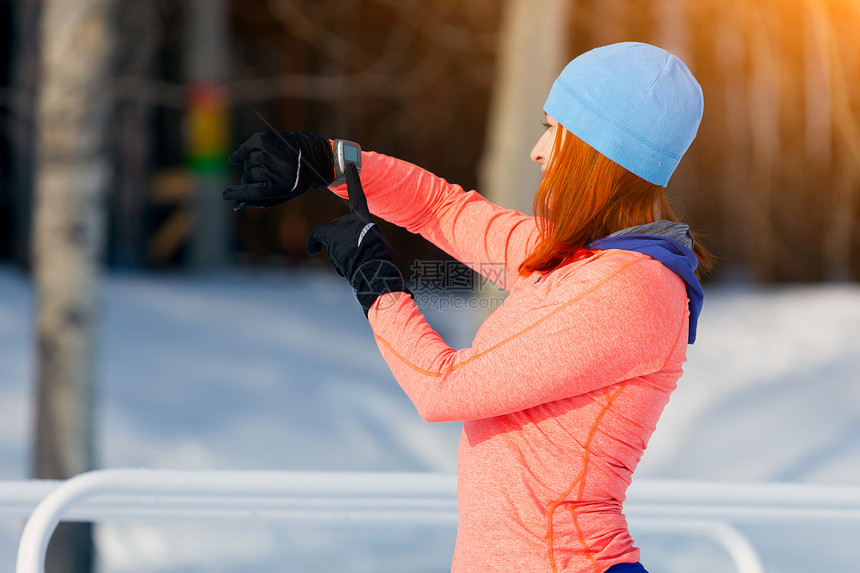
<point x="564" y="383"/>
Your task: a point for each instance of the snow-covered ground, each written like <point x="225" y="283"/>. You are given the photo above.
<point x="278" y="370"/>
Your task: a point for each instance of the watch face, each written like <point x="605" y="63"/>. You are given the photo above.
<point x="351" y="154"/>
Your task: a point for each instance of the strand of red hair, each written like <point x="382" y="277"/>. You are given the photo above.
<point x="585" y="196"/>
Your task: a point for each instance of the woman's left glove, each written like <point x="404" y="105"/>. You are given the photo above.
<point x="357" y="249"/>
<point x="279" y="166"/>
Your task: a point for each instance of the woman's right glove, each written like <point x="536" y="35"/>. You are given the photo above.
<point x="356" y="248"/>
<point x="279" y="166"/>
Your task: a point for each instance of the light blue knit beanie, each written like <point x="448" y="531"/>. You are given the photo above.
<point x="635" y="103"/>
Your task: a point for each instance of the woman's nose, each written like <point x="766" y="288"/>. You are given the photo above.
<point x="536" y="154"/>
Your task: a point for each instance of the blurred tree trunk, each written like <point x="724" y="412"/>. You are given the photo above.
<point x="72" y="170"/>
<point x="531" y="54"/>
<point x="673" y="22"/>
<point x="24" y="81"/>
<point x="764" y="112"/>
<point x="532" y="46"/>
<point x="610" y="22"/>
<point x="131" y="134"/>
<point x="830" y="70"/>
<point x="673" y="26"/>
<point x="733" y="147"/>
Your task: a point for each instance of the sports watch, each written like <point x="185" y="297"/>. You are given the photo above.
<point x="344" y="152"/>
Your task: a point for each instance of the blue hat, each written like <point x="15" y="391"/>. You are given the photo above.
<point x="635" y="103"/>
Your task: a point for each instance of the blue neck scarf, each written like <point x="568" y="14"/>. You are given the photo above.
<point x="673" y="255"/>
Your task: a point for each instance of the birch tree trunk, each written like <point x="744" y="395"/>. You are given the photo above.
<point x="532" y="52"/>
<point x="72" y="171"/>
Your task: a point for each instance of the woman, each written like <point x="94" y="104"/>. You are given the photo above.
<point x="564" y="383"/>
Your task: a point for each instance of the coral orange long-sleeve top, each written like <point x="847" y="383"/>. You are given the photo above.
<point x="560" y="391"/>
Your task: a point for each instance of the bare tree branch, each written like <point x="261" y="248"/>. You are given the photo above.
<point x="308" y="29"/>
<point x="417" y="15"/>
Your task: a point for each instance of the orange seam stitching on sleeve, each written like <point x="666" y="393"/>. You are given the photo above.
<point x="580" y="479"/>
<point x="404" y="360"/>
<point x="440" y="373"/>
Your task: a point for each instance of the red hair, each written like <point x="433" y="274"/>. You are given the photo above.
<point x="585" y="196"/>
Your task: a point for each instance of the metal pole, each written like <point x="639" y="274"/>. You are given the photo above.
<point x="207" y="70"/>
<point x="705" y="509"/>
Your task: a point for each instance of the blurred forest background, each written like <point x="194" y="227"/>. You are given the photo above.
<point x="117" y="116"/>
<point x="773" y="180"/>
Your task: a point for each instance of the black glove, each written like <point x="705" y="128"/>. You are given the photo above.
<point x="356" y="248"/>
<point x="279" y="166"/>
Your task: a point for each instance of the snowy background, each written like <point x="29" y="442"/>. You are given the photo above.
<point x="278" y="370"/>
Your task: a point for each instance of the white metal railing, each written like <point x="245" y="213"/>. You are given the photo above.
<point x="704" y="508"/>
